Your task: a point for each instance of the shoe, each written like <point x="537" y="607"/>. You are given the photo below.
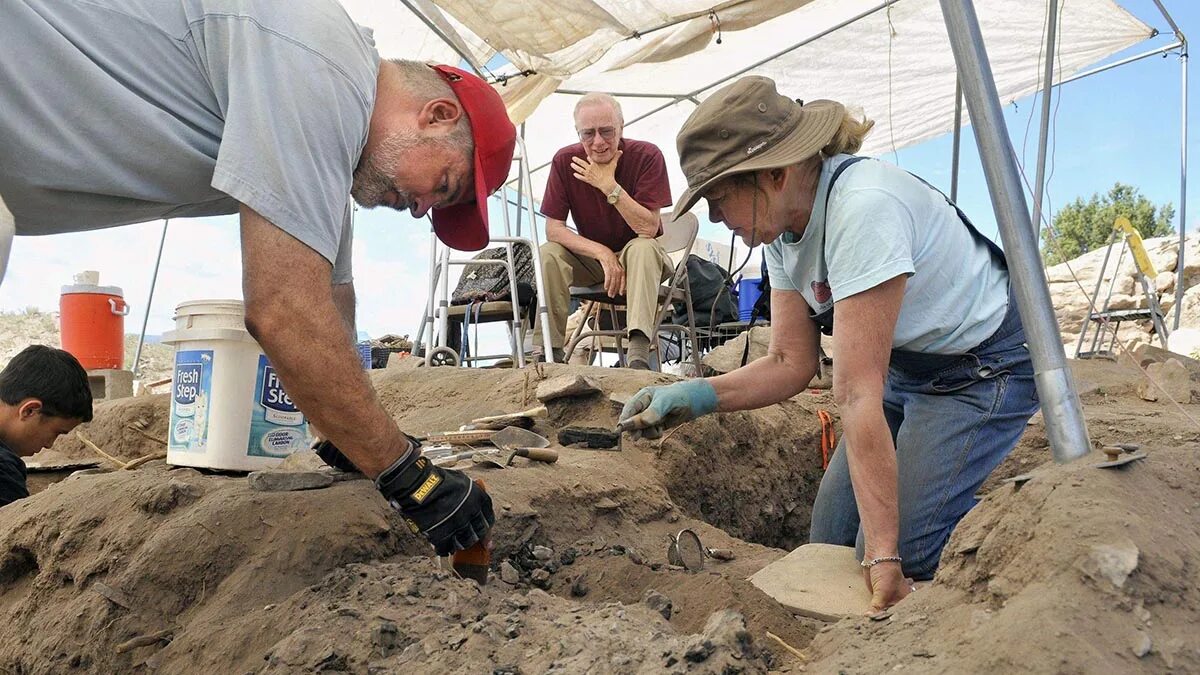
<point x="637" y="355"/>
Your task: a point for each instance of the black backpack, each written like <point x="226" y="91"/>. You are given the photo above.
<point x="486" y="283"/>
<point x="711" y="300"/>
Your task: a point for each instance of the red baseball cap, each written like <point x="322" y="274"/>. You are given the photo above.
<point x="465" y="226"/>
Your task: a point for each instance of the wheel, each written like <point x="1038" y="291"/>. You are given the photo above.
<point x="443" y="356"/>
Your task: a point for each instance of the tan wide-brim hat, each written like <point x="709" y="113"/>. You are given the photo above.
<point x="748" y="126"/>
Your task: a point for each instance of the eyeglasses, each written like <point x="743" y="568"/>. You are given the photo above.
<point x="607" y="133"/>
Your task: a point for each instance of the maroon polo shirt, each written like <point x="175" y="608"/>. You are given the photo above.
<point x="641" y="172"/>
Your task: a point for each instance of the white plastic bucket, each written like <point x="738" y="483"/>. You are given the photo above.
<point x="228" y="410"/>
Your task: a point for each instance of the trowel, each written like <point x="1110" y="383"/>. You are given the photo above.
<point x="512" y="442"/>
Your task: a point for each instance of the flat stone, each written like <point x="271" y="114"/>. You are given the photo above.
<point x="1172" y="377"/>
<point x="820" y="581"/>
<point x="542" y="553"/>
<point x="566" y="385"/>
<point x="288" y="481"/>
<point x="1111" y="562"/>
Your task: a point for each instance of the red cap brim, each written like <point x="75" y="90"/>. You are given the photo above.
<point x="465" y="226"/>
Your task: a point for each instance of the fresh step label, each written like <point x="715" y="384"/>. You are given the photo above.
<point x="277" y="427"/>
<point x="191" y="391"/>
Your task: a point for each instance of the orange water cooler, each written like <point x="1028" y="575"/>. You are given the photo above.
<point x="92" y="322"/>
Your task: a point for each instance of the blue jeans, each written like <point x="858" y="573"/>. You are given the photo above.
<point x="953" y="420"/>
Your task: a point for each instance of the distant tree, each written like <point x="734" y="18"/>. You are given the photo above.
<point x="1081" y="227"/>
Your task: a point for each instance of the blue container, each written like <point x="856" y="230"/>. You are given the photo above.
<point x="364" y="354"/>
<point x="749" y="291"/>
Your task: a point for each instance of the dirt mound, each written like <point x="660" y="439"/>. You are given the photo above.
<point x="125" y="428"/>
<point x="173" y="570"/>
<point x="183" y="571"/>
<point x="1081" y="569"/>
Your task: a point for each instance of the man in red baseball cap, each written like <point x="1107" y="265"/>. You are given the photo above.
<point x="466" y="127"/>
<point x="280" y="112"/>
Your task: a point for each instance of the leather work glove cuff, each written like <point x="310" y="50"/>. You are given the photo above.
<point x="406" y="475"/>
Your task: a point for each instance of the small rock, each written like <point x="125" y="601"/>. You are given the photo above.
<point x="540" y="578"/>
<point x="673" y="518"/>
<point x="385" y="637"/>
<point x="636" y="557"/>
<point x="1142" y="645"/>
<point x="285" y="481"/>
<point x="658" y="602"/>
<point x="579" y="588"/>
<point x="699" y="650"/>
<point x="506" y="670"/>
<point x="331" y="661"/>
<point x="606" y="504"/>
<point x="568" y="556"/>
<point x="268" y="608"/>
<point x="565" y="385"/>
<point x="1112" y="562"/>
<point x="542" y="553"/>
<point x="509" y="573"/>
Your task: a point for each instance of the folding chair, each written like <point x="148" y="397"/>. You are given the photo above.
<point x="678" y="236"/>
<point x="517" y="319"/>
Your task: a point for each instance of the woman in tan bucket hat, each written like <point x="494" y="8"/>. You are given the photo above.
<point x="932" y="376"/>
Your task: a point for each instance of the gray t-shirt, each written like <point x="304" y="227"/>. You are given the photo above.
<point x="122" y="111"/>
<point x="881" y="222"/>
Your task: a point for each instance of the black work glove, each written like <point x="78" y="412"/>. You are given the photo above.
<point x="443" y="505"/>
<point x="329" y="453"/>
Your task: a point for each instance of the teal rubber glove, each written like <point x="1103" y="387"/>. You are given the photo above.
<point x="654" y="409"/>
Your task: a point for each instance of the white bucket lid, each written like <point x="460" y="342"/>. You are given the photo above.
<point x="88" y="288"/>
<point x="228" y="307"/>
<point x="173" y="337"/>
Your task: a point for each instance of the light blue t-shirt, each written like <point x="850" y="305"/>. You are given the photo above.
<point x="882" y="222"/>
<point x="122" y="111"/>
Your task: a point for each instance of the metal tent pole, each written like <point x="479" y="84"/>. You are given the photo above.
<point x="1061" y="410"/>
<point x="137" y="354"/>
<point x="1039" y="185"/>
<point x="954" y="152"/>
<point x="1183" y="141"/>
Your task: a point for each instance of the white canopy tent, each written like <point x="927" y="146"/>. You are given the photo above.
<point x="891" y="58"/>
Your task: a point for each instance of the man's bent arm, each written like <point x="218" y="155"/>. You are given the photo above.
<point x="290" y="310"/>
<point x="558" y="232"/>
<point x="643" y="221"/>
<point x="344" y="300"/>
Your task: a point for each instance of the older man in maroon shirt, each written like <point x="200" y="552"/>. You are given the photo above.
<point x="614" y="189"/>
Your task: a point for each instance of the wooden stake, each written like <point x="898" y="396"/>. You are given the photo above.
<point x="147" y="458"/>
<point x="145" y="640"/>
<point x="795" y="652"/>
<point x="98" y="451"/>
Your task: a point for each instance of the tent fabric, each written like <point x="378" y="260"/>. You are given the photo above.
<point x="891" y="60"/>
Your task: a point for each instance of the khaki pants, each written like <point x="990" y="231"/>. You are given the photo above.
<point x="646" y="267"/>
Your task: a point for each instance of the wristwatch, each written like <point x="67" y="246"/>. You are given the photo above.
<point x="614" y="195"/>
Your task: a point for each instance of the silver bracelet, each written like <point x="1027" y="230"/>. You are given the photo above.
<point x="887" y="558"/>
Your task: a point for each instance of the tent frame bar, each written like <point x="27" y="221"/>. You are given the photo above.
<point x="1044" y="125"/>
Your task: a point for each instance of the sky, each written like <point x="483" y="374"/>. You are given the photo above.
<point x="1121" y="125"/>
